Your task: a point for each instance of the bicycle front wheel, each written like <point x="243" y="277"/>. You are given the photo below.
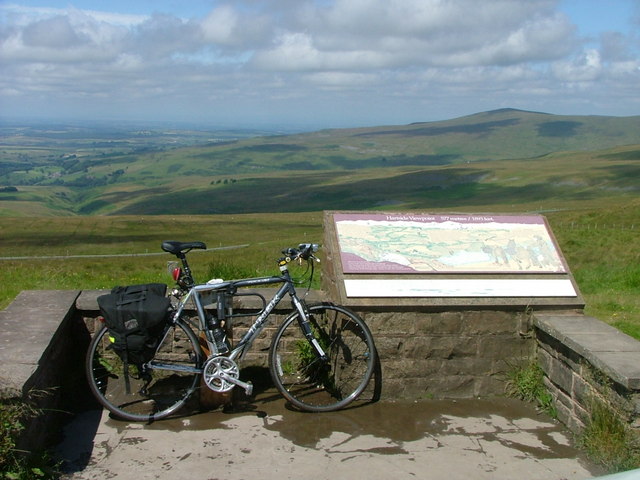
<point x="310" y="383"/>
<point x="154" y="393"/>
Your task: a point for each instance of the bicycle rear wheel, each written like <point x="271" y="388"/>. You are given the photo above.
<point x="154" y="394"/>
<point x="311" y="384"/>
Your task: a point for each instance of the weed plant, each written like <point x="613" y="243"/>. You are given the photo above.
<point x="16" y="464"/>
<point x="527" y="383"/>
<point x="609" y="441"/>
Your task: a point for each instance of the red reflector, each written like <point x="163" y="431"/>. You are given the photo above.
<point x="101" y="319"/>
<point x="177" y="272"/>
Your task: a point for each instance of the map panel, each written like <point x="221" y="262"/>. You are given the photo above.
<point x="387" y="243"/>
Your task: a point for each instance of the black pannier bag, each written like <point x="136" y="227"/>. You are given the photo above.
<point x="135" y="316"/>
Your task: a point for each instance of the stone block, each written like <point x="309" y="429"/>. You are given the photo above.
<point x="567" y="417"/>
<point x="545" y="360"/>
<point x="583" y="391"/>
<point x="444" y="347"/>
<point x="448" y="386"/>
<point x="446" y="323"/>
<point x="489" y="323"/>
<point x="408" y="368"/>
<point x="504" y="346"/>
<point x="635" y="401"/>
<point x="468" y="366"/>
<point x="392" y="323"/>
<point x="489" y="386"/>
<point x="562" y="376"/>
<point x="390" y="347"/>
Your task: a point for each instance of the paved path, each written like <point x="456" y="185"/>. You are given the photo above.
<point x="469" y="439"/>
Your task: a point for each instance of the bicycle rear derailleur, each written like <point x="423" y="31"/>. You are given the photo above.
<point x="221" y="374"/>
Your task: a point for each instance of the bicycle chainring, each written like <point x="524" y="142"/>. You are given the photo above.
<point x="215" y="369"/>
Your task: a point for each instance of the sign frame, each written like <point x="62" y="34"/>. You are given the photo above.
<point x="365" y="277"/>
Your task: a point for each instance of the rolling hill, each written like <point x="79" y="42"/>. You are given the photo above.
<point x="525" y="160"/>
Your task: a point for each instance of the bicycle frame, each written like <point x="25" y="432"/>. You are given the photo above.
<point x="223" y="289"/>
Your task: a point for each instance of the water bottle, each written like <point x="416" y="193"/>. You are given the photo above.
<point x="219" y="335"/>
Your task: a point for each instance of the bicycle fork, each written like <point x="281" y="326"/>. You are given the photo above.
<point x="305" y="325"/>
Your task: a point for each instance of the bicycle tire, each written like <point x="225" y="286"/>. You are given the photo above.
<point x="313" y="385"/>
<point x="167" y="390"/>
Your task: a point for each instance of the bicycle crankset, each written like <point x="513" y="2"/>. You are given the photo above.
<point x="221" y="374"/>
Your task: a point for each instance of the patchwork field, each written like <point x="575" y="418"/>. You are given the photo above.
<point x="502" y="157"/>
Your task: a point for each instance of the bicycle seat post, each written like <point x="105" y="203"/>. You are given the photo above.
<point x="188" y="278"/>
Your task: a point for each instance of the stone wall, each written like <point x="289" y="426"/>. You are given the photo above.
<point x="423" y="354"/>
<point x="587" y="361"/>
<point x="448" y="354"/>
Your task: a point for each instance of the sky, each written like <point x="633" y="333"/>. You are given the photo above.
<point x="315" y="63"/>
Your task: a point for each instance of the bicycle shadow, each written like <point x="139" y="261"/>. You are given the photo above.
<point x="264" y="392"/>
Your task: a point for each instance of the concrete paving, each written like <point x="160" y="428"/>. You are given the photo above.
<point x="433" y="439"/>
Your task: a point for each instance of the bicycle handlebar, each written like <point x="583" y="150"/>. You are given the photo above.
<point x="304" y="251"/>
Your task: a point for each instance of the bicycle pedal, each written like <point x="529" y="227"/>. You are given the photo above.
<point x="248" y="389"/>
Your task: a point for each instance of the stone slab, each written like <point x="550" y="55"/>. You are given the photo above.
<point x="605" y="347"/>
<point x="87" y="300"/>
<point x="28" y="324"/>
<point x="572" y="323"/>
<point x="625" y="367"/>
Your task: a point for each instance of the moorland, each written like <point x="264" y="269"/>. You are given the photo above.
<point x="88" y="207"/>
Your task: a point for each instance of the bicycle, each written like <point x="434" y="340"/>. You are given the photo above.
<point x="321" y="357"/>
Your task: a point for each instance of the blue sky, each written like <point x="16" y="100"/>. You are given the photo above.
<point x="316" y="63"/>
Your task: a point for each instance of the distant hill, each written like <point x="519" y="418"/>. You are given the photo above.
<point x="479" y="160"/>
<point x="499" y="134"/>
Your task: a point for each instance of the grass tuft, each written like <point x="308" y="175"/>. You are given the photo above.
<point x="17" y="464"/>
<point x="527" y="383"/>
<point x="609" y="441"/>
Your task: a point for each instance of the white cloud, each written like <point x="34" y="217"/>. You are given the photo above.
<point x="585" y="68"/>
<point x="21" y="15"/>
<point x="220" y="25"/>
<point x="341" y="52"/>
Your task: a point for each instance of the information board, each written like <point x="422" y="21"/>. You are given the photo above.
<point x="444" y="257"/>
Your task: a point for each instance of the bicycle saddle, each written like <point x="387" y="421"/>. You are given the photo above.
<point x="176" y="248"/>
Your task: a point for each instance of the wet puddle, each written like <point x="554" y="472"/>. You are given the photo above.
<point x="510" y="422"/>
<point x="490" y="439"/>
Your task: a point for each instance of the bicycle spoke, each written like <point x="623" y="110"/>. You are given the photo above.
<point x="152" y="393"/>
<point x="311" y="384"/>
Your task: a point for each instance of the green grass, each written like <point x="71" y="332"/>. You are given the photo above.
<point x="575" y="179"/>
<point x="527" y="383"/>
<point x="256" y="241"/>
<point x="609" y="441"/>
<point x="16" y="464"/>
<point x="602" y="248"/>
<point x="605" y="260"/>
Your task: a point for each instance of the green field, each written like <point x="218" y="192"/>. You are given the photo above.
<point x="600" y="245"/>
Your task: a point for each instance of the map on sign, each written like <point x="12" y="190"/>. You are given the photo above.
<point x="382" y="243"/>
